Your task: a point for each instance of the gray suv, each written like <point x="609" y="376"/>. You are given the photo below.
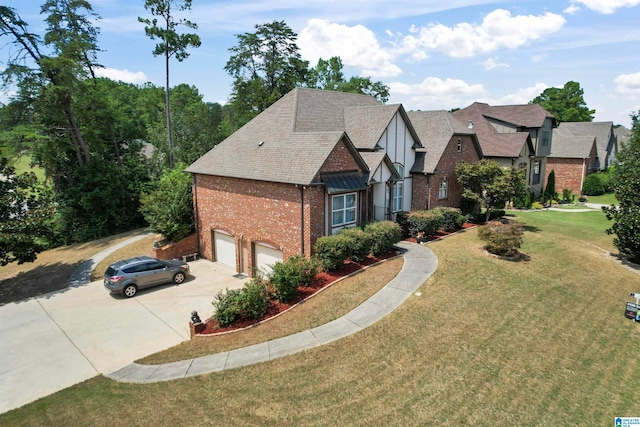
<point x="127" y="276"/>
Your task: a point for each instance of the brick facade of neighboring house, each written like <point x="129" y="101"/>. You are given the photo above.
<point x="572" y="159"/>
<point x="570" y="173"/>
<point x="446" y="142"/>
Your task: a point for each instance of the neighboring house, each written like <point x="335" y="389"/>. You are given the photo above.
<point x="513" y="135"/>
<point x="606" y="143"/>
<point x="446" y="142"/>
<point x="572" y="158"/>
<point x="622" y="135"/>
<point x="310" y="165"/>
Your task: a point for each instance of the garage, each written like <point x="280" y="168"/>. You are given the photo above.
<point x="265" y="256"/>
<point x="224" y="249"/>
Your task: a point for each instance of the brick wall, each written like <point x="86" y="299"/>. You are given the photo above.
<point x="260" y="211"/>
<point x="569" y="173"/>
<point x="419" y="192"/>
<point x="446" y="169"/>
<point x="186" y="246"/>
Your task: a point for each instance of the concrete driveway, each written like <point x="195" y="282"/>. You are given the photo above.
<point x="56" y="340"/>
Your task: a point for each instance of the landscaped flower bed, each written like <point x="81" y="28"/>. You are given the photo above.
<point x="320" y="282"/>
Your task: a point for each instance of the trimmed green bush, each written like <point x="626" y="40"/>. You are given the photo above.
<point x="384" y="235"/>
<point x="496" y="214"/>
<point x="593" y="185"/>
<point x="286" y="277"/>
<point x="360" y="243"/>
<point x="423" y="224"/>
<point x="250" y="302"/>
<point x="452" y="219"/>
<point x="502" y="239"/>
<point x="333" y="251"/>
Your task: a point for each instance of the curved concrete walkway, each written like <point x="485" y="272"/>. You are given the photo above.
<point x="82" y="275"/>
<point x="419" y="264"/>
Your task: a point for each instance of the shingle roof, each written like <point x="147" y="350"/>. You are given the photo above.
<point x="373" y="159"/>
<point x="572" y="147"/>
<point x="496" y="144"/>
<point x="435" y="129"/>
<point x="298" y="132"/>
<point x="622" y="133"/>
<point x="600" y="130"/>
<point x="526" y="115"/>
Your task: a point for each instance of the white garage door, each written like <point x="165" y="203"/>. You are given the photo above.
<point x="265" y="257"/>
<point x="225" y="249"/>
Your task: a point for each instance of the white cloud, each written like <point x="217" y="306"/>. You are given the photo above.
<point x="539" y="57"/>
<point x="499" y="29"/>
<point x="520" y="96"/>
<point x="491" y="63"/>
<point x="571" y="9"/>
<point x="434" y="93"/>
<point x="357" y="46"/>
<point x="122" y="75"/>
<point x="628" y="84"/>
<point x="605" y="6"/>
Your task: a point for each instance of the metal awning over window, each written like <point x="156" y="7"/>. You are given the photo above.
<point x="339" y="183"/>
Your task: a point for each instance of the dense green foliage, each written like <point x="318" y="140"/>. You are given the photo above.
<point x="550" y="190"/>
<point x="566" y="104"/>
<point x="384" y="235"/>
<point x="333" y="251"/>
<point x="359" y="243"/>
<point x="487" y="185"/>
<point x="593" y="185"/>
<point x="423" y="224"/>
<point x="250" y="302"/>
<point x="452" y="219"/>
<point x="626" y="184"/>
<point x="502" y="239"/>
<point x="168" y="205"/>
<point x="26" y="215"/>
<point x="286" y="277"/>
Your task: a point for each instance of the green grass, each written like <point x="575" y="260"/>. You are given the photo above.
<point x="488" y="342"/>
<point x="22" y="164"/>
<point x="605" y="199"/>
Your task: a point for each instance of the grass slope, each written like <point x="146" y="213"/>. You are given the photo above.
<point x="488" y="342"/>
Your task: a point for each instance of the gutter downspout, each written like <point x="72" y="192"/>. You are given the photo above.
<point x="194" y="190"/>
<point x="302" y="188"/>
<point x="584" y="162"/>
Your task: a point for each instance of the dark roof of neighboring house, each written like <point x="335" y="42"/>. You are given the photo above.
<point x="602" y="132"/>
<point x="298" y="133"/>
<point x="493" y="143"/>
<point x="571" y="147"/>
<point x="525" y="115"/>
<point x="435" y="129"/>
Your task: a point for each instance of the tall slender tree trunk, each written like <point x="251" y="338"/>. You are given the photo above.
<point x="166" y="95"/>
<point x="75" y="131"/>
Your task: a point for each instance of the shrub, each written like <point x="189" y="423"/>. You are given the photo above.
<point x="592" y="185"/>
<point x="286" y="277"/>
<point x="333" y="251"/>
<point x="566" y="194"/>
<point x="536" y="205"/>
<point x="251" y="302"/>
<point x="359" y="241"/>
<point x="227" y="306"/>
<point x="496" y="214"/>
<point x="452" y="219"/>
<point x="502" y="239"/>
<point x="384" y="235"/>
<point x="423" y="224"/>
<point x="402" y="218"/>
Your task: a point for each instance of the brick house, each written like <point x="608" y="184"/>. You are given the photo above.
<point x="513" y="135"/>
<point x="446" y="142"/>
<point x="572" y="158"/>
<point x="310" y="165"/>
<point x="604" y="135"/>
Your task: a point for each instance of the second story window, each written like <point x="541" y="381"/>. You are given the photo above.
<point x="459" y="145"/>
<point x="545" y="138"/>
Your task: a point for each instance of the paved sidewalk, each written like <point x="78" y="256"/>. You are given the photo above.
<point x="419" y="263"/>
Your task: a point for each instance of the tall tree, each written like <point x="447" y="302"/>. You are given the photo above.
<point x="566" y="104"/>
<point x="265" y="65"/>
<point x="171" y="42"/>
<point x="626" y="185"/>
<point x="327" y="75"/>
<point x="70" y="42"/>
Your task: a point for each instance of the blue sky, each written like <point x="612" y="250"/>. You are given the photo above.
<point x="431" y="54"/>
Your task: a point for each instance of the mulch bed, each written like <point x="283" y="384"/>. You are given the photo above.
<point x="321" y="281"/>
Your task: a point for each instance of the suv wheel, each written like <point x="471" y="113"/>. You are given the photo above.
<point x="178" y="278"/>
<point x="129" y="291"/>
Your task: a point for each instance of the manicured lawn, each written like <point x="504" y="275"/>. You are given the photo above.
<point x="605" y="199"/>
<point x="487" y="342"/>
<point x="23" y="165"/>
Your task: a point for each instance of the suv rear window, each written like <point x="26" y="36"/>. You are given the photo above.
<point x="110" y="271"/>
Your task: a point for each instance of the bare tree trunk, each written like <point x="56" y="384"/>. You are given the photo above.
<point x="75" y="131"/>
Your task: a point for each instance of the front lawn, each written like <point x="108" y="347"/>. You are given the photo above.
<point x="605" y="199"/>
<point x="486" y="342"/>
